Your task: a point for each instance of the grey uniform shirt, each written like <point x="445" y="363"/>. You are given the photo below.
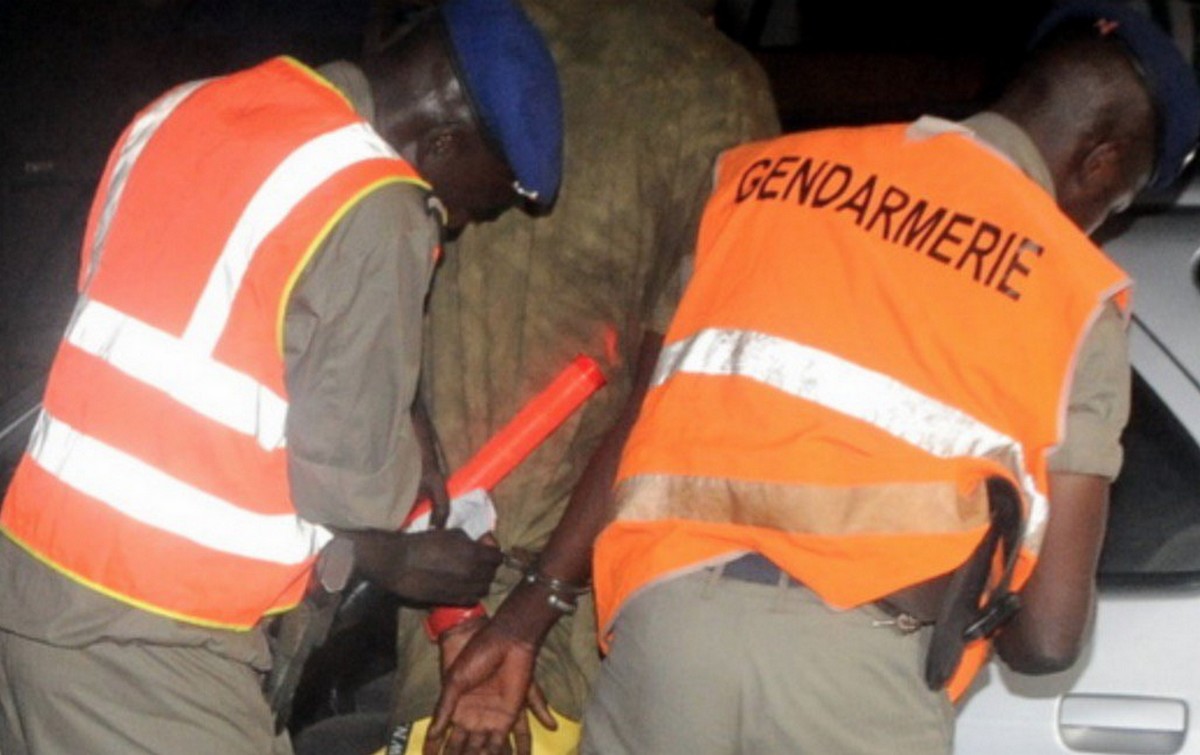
<point x="352" y="344"/>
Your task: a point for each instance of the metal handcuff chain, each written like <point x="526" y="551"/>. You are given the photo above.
<point x="563" y="595"/>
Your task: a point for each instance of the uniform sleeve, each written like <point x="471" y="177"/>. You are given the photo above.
<point x="1099" y="402"/>
<point x="352" y="353"/>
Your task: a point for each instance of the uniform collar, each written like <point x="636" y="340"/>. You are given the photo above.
<point x="1001" y="135"/>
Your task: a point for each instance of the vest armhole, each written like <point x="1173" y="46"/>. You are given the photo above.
<point x="319" y="239"/>
<point x="317" y="78"/>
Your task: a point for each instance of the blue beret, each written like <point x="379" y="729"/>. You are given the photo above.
<point x="1168" y="76"/>
<point x="508" y="73"/>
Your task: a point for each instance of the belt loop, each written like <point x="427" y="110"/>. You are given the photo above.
<point x="710" y="582"/>
<point x="781" y="589"/>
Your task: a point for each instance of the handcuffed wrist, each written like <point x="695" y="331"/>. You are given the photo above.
<point x="562" y="595"/>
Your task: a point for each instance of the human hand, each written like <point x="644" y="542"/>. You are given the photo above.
<point x="445" y="567"/>
<point x="486" y="685"/>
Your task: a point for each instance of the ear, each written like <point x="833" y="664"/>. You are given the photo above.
<point x="1096" y="182"/>
<point x="1100" y="171"/>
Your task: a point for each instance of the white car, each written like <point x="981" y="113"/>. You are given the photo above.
<point x="1137" y="685"/>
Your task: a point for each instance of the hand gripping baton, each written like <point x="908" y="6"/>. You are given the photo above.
<point x="502" y="453"/>
<point x="541" y="416"/>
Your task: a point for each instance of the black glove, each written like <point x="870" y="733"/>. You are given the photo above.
<point x="443" y="567"/>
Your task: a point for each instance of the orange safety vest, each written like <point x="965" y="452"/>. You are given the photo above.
<point x="867" y="336"/>
<point x="157" y="471"/>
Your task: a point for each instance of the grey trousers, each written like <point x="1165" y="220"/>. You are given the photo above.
<point x="130" y="698"/>
<point x="708" y="665"/>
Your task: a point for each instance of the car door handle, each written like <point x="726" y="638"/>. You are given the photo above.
<point x="1122" y="724"/>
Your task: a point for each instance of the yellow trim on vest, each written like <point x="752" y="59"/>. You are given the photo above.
<point x="139" y="604"/>
<point x="318" y="78"/>
<point x="281" y="610"/>
<point x="320" y="237"/>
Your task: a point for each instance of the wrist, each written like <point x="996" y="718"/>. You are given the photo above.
<point x="561" y="595"/>
<point x="524" y="616"/>
<point x="534" y="606"/>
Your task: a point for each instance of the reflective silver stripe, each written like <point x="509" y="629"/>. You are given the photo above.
<point x="130" y="150"/>
<point x="850" y="389"/>
<point x="302" y="171"/>
<point x="158" y="500"/>
<point x="162" y="361"/>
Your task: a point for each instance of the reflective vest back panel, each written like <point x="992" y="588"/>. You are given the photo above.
<point x="876" y="322"/>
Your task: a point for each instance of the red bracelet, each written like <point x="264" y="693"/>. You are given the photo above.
<point x="444" y="618"/>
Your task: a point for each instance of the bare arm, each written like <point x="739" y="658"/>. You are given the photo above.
<point x="568" y="554"/>
<point x="491" y="664"/>
<point x="1047" y="633"/>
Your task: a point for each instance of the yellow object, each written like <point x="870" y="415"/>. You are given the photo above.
<point x="562" y="741"/>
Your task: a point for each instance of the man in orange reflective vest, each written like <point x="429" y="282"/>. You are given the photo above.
<point x="235" y="384"/>
<point x="898" y="359"/>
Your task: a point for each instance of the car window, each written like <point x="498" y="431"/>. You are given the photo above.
<point x="1153" y="536"/>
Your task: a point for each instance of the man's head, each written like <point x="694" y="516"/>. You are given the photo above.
<point x="469" y="95"/>
<point x="1110" y="102"/>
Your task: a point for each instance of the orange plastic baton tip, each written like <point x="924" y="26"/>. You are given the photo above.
<point x="540" y="416"/>
<point x="444" y="618"/>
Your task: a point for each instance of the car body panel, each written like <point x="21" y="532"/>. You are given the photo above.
<point x="1133" y="689"/>
<point x="1137" y="684"/>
